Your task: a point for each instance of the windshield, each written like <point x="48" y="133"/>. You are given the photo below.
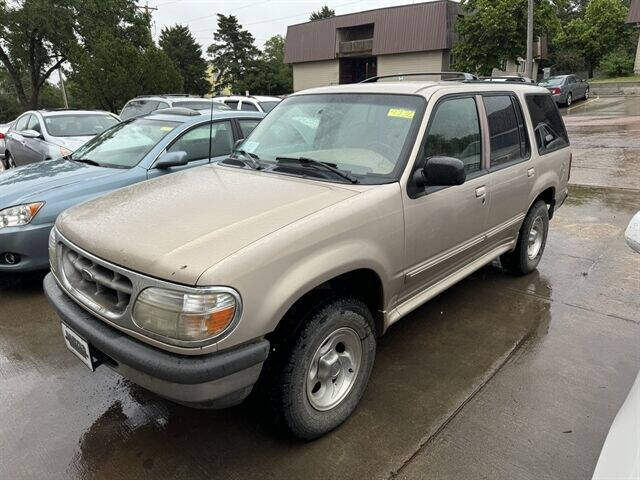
<point x="553" y="81"/>
<point x="126" y="144"/>
<point x="365" y="135"/>
<point x="81" y="125"/>
<point x="268" y="106"/>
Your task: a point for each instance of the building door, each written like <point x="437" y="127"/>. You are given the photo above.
<point x="354" y="70"/>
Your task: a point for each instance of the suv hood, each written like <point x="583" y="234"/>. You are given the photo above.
<point x="31" y="182"/>
<point x="177" y="226"/>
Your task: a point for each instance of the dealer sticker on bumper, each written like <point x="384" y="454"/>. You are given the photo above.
<point x="77" y="345"/>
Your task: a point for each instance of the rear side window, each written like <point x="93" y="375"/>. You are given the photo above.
<point x="547" y="123"/>
<point x="455" y="132"/>
<point x="506" y="128"/>
<point x="250" y="107"/>
<point x="232" y="103"/>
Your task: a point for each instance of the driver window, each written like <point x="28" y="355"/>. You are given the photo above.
<point x="196" y="141"/>
<point x="455" y="132"/>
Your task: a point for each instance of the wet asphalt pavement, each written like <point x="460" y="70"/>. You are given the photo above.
<point x="499" y="377"/>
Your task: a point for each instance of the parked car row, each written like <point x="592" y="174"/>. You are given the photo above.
<point x="276" y="263"/>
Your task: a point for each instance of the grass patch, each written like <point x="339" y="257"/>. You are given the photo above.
<point x="631" y="78"/>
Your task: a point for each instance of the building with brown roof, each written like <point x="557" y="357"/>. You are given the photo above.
<point x="350" y="48"/>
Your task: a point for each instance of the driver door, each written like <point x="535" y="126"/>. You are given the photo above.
<point x="445" y="226"/>
<point x="196" y="143"/>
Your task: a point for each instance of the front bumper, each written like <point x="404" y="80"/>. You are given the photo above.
<point x="216" y="380"/>
<point x="30" y="243"/>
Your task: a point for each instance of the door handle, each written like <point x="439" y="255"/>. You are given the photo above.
<point x="481" y="192"/>
<point x="531" y="172"/>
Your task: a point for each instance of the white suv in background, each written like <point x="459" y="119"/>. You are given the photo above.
<point x="252" y="103"/>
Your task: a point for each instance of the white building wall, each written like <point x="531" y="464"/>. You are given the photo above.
<point x="315" y="74"/>
<point x="411" y="62"/>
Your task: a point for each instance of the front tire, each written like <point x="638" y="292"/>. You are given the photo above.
<point x="586" y="94"/>
<point x="569" y="100"/>
<point x="319" y="375"/>
<point x="531" y="242"/>
<point x="9" y="162"/>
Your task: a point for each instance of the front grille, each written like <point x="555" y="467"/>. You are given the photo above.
<point x="103" y="287"/>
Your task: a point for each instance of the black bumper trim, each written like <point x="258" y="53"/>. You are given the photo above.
<point x="182" y="369"/>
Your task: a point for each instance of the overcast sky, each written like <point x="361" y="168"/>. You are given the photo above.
<point x="263" y="18"/>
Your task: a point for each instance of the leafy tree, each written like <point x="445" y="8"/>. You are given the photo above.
<point x="279" y="74"/>
<point x="183" y="50"/>
<point x="117" y="59"/>
<point x="324" y="12"/>
<point x="494" y="31"/>
<point x="233" y="54"/>
<point x="599" y="31"/>
<point x="617" y="63"/>
<point x="34" y="38"/>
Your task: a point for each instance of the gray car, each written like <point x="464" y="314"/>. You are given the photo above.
<point x="566" y="88"/>
<point x="146" y="104"/>
<point x="48" y="134"/>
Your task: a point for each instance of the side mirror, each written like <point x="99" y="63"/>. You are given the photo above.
<point x="172" y="159"/>
<point x="632" y="234"/>
<point x="440" y="171"/>
<point x="30" y="134"/>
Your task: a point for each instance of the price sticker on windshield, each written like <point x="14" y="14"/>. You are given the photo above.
<point x="401" y="113"/>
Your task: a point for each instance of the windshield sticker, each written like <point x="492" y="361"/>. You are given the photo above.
<point x="401" y="113"/>
<point x="166" y="129"/>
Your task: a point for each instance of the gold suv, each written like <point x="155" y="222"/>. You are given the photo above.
<point x="276" y="269"/>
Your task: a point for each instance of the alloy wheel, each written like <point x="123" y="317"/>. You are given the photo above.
<point x="334" y="369"/>
<point x="536" y="235"/>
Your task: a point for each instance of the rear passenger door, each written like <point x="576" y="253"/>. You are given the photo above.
<point x="15" y="141"/>
<point x="196" y="143"/>
<point x="510" y="167"/>
<point x="444" y="226"/>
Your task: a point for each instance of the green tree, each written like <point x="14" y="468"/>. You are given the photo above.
<point x="116" y="58"/>
<point x="279" y="74"/>
<point x="183" y="50"/>
<point x="601" y="30"/>
<point x="233" y="54"/>
<point x="324" y="12"/>
<point x="494" y="31"/>
<point x="33" y="43"/>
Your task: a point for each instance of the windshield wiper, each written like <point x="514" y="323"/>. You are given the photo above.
<point x="251" y="159"/>
<point x="84" y="160"/>
<point x="318" y="164"/>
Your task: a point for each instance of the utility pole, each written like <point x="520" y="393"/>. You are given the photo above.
<point x="147" y="11"/>
<point x="64" y="91"/>
<point x="528" y="68"/>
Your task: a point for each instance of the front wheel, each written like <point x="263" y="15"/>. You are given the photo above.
<point x="9" y="162"/>
<point x="569" y="100"/>
<point x="586" y="94"/>
<point x="323" y="370"/>
<point x="531" y="242"/>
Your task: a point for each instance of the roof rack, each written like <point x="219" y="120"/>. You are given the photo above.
<point x="462" y="76"/>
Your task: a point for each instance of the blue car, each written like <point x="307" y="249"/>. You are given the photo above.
<point x="166" y="141"/>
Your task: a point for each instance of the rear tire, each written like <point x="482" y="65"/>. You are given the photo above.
<point x="317" y="376"/>
<point x="569" y="100"/>
<point x="531" y="242"/>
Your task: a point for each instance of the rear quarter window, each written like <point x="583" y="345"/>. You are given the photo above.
<point x="548" y="126"/>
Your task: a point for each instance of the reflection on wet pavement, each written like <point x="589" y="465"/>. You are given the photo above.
<point x="483" y="381"/>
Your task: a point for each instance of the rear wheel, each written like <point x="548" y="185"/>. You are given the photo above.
<point x="317" y="377"/>
<point x="531" y="242"/>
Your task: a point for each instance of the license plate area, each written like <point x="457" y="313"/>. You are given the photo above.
<point x="78" y="346"/>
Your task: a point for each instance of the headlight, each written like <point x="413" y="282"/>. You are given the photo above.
<point x="185" y="316"/>
<point x="53" y="254"/>
<point x="19" y="215"/>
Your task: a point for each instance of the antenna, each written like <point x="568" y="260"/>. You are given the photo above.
<point x="210" y="129"/>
